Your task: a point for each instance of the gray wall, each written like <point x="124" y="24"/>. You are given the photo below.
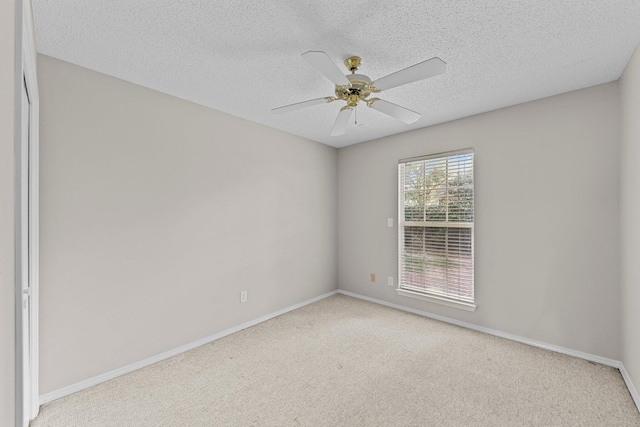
<point x="629" y="215"/>
<point x="7" y="248"/>
<point x="156" y="213"/>
<point x="547" y="218"/>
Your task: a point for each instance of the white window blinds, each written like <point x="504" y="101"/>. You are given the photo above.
<point x="436" y="226"/>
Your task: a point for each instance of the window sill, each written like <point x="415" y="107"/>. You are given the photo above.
<point x="437" y="299"/>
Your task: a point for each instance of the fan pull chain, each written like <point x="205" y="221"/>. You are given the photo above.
<point x="355" y="109"/>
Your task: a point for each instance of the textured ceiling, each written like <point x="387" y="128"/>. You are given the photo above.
<point x="243" y="58"/>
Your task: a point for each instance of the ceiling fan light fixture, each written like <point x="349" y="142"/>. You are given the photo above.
<point x="353" y="88"/>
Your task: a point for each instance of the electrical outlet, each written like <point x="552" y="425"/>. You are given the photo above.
<point x="389" y="222"/>
<point x="243" y="296"/>
<point x="373" y="277"/>
<point x="390" y="281"/>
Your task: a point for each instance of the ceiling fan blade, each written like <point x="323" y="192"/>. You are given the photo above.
<point x="397" y="112"/>
<point x="429" y="68"/>
<point x="340" y="126"/>
<point x="321" y="62"/>
<point x="299" y="105"/>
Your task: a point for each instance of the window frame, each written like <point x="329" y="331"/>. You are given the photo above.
<point x="431" y="295"/>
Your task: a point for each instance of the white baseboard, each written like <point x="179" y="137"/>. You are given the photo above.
<point x="630" y="386"/>
<point x="558" y="349"/>
<point x="90" y="382"/>
<point x="57" y="394"/>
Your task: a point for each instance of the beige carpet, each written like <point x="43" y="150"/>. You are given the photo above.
<point x="347" y="362"/>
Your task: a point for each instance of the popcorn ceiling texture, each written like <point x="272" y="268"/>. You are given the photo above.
<point x="243" y="58"/>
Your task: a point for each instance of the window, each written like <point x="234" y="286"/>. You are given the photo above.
<point x="435" y="244"/>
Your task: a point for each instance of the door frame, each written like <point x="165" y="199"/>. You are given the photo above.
<point x="28" y="223"/>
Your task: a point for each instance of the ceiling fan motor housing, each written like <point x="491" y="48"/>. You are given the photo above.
<point x="360" y="86"/>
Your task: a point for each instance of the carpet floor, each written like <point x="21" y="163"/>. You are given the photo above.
<point x="346" y="362"/>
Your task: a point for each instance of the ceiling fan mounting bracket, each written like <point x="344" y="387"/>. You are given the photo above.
<point x="353" y="63"/>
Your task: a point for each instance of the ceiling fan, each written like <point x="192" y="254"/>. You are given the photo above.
<point x="354" y="88"/>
